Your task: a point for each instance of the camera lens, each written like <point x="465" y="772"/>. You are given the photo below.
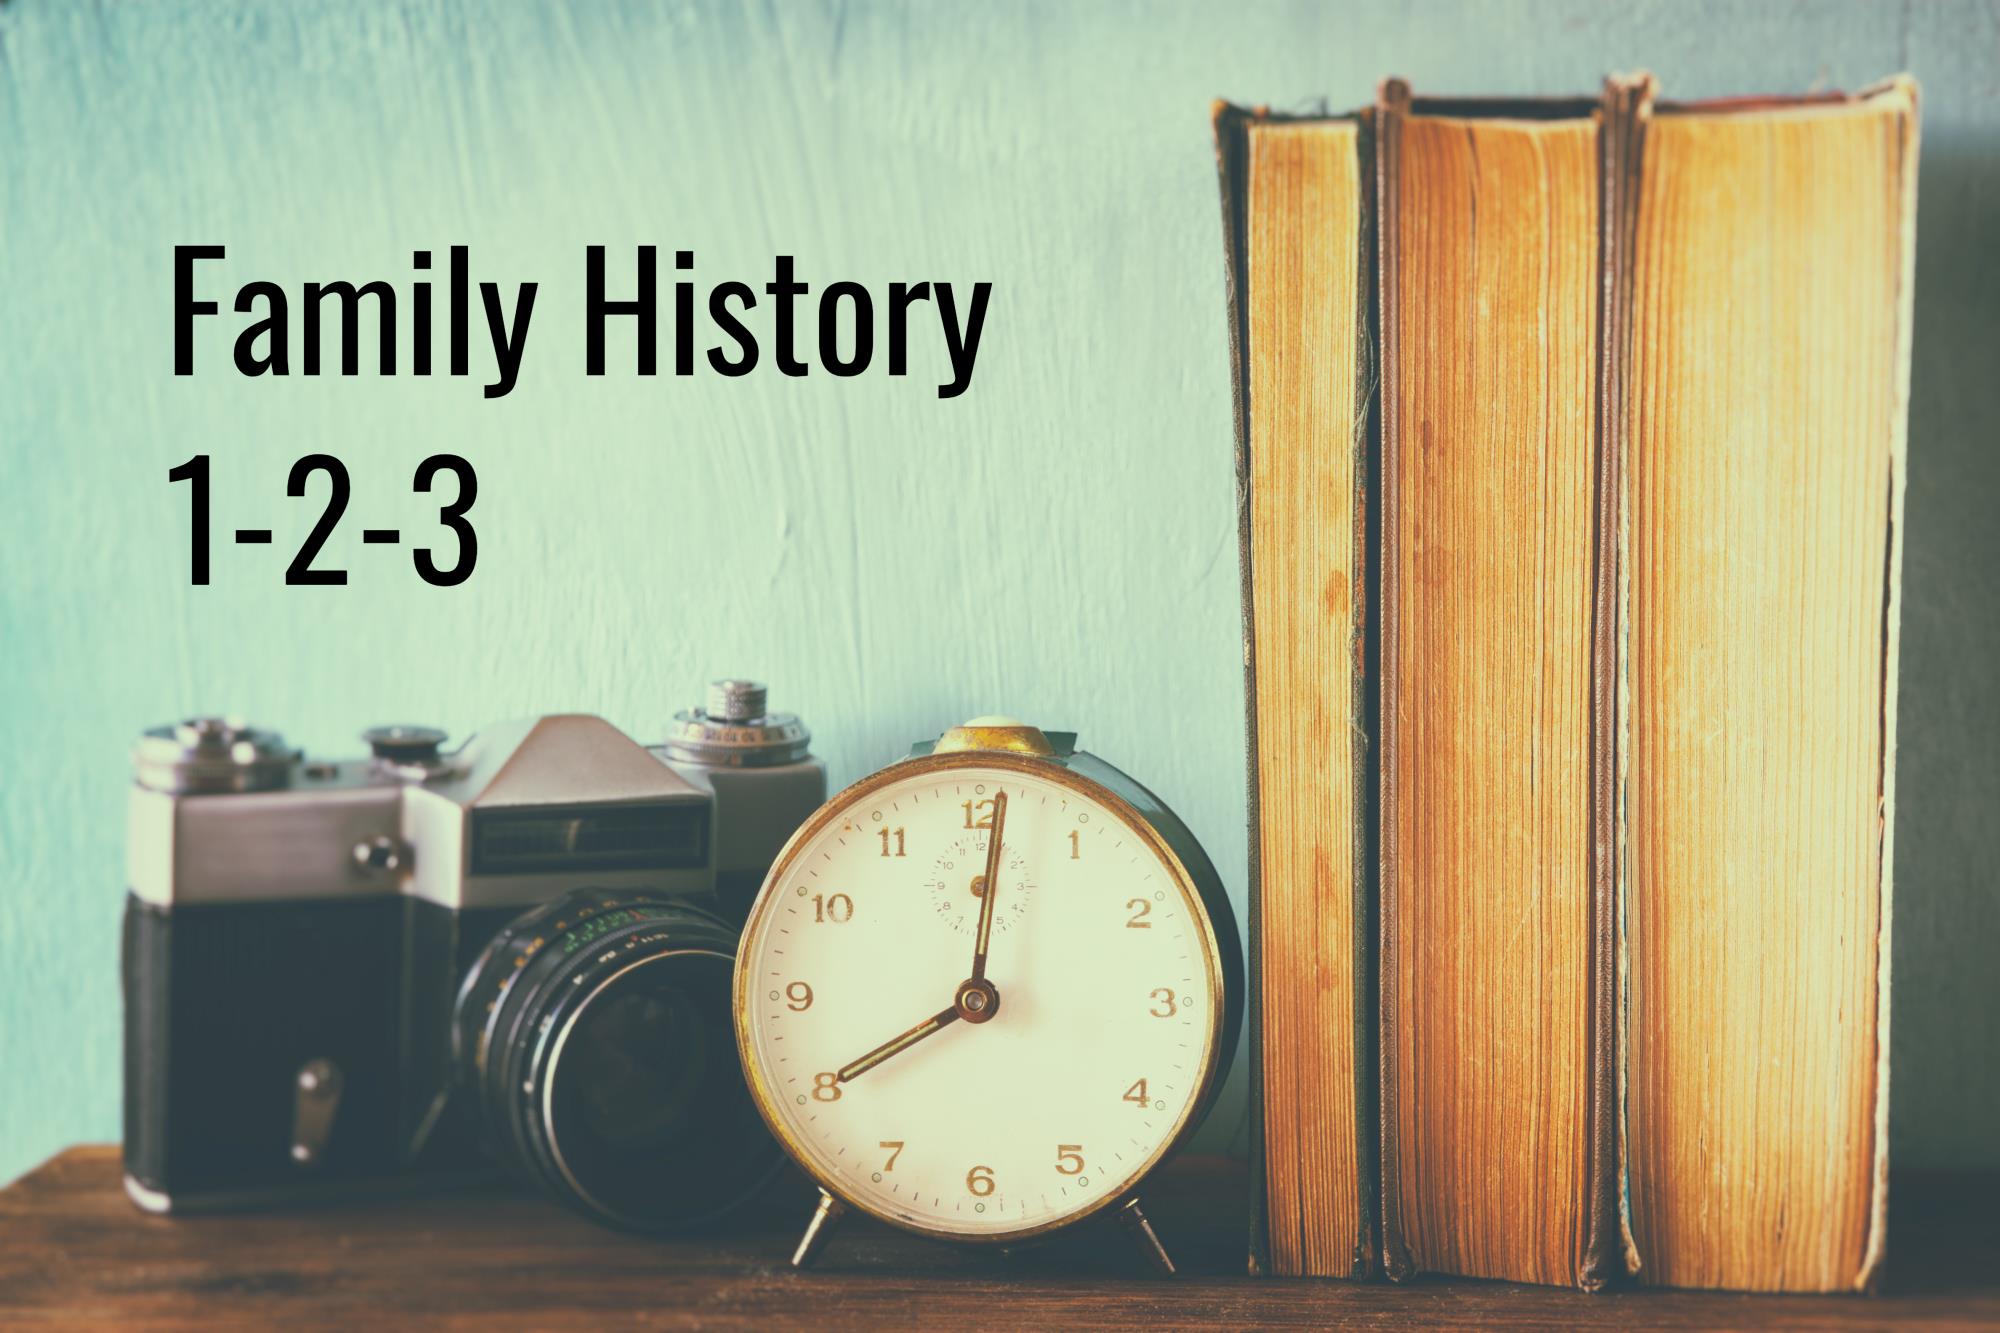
<point x="596" y="1034"/>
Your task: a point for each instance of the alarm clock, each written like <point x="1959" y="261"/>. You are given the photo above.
<point x="986" y="991"/>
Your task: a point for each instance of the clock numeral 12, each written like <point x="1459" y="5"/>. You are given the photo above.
<point x="982" y="809"/>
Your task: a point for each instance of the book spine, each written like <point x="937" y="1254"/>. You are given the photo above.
<point x="1232" y="152"/>
<point x="1391" y="109"/>
<point x="1367" y="715"/>
<point x="1609" y="1252"/>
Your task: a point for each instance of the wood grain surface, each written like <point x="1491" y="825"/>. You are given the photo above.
<point x="73" y="1250"/>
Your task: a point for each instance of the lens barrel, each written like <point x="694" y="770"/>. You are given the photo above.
<point x="595" y="1035"/>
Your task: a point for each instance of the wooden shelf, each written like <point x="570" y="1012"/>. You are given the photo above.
<point x="73" y="1248"/>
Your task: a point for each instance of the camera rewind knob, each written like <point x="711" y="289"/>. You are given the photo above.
<point x="736" y="700"/>
<point x="735" y="729"/>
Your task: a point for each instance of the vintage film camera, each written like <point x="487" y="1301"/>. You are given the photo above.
<point x="341" y="971"/>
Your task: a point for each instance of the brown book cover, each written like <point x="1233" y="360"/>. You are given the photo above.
<point x="1310" y="704"/>
<point x="1749" y="401"/>
<point x="1762" y="409"/>
<point x="1490" y="1190"/>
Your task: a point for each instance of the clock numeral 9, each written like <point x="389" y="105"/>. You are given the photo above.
<point x="885" y="835"/>
<point x="798" y="997"/>
<point x="979" y="1181"/>
<point x="826" y="1087"/>
<point x="983" y="810"/>
<point x="1136" y="1094"/>
<point x="834" y="907"/>
<point x="1069" y="1158"/>
<point x="895" y="1147"/>
<point x="1164" y="1003"/>
<point x="1140" y="910"/>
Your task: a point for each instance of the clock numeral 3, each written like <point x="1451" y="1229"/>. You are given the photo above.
<point x="1140" y="910"/>
<point x="798" y="997"/>
<point x="834" y="907"/>
<point x="979" y="1180"/>
<point x="1069" y="1158"/>
<point x="895" y="1147"/>
<point x="885" y="835"/>
<point x="826" y="1087"/>
<point x="1136" y="1094"/>
<point x="1164" y="1004"/>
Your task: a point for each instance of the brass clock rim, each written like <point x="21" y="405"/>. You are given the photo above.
<point x="1053" y="770"/>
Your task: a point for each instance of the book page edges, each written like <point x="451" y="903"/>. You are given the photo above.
<point x="1232" y="125"/>
<point x="1394" y="104"/>
<point x="1898" y="95"/>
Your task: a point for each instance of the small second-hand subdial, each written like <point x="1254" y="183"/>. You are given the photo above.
<point x="957" y="885"/>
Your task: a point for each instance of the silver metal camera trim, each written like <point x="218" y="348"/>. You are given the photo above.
<point x="297" y="841"/>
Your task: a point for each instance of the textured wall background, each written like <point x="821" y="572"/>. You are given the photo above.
<point x="1056" y="543"/>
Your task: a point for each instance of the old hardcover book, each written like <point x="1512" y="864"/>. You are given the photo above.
<point x="1498" y="1050"/>
<point x="1296" y="209"/>
<point x="1636" y="483"/>
<point x="1766" y="367"/>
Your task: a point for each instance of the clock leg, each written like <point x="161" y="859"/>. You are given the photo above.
<point x="1135" y="1221"/>
<point x="830" y="1211"/>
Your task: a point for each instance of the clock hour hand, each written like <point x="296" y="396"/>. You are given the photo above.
<point x="896" y="1045"/>
<point x="992" y="881"/>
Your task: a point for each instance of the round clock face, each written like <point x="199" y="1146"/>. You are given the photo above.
<point x="968" y="1094"/>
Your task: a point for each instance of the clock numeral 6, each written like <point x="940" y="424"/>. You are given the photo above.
<point x="1164" y="1003"/>
<point x="798" y="997"/>
<point x="888" y="833"/>
<point x="1136" y="1094"/>
<point x="1069" y="1158"/>
<point x="1140" y="910"/>
<point x="979" y="1180"/>
<point x="978" y="814"/>
<point x="826" y="1087"/>
<point x="834" y="907"/>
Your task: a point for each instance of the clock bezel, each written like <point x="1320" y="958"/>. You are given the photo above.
<point x="1049" y="769"/>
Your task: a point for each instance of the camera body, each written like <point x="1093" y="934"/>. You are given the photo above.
<point x="302" y="936"/>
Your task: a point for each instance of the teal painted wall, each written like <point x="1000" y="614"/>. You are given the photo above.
<point x="1058" y="542"/>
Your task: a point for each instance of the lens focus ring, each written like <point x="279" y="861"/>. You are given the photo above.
<point x="594" y="1033"/>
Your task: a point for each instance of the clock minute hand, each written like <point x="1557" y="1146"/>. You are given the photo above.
<point x="896" y="1045"/>
<point x="992" y="880"/>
